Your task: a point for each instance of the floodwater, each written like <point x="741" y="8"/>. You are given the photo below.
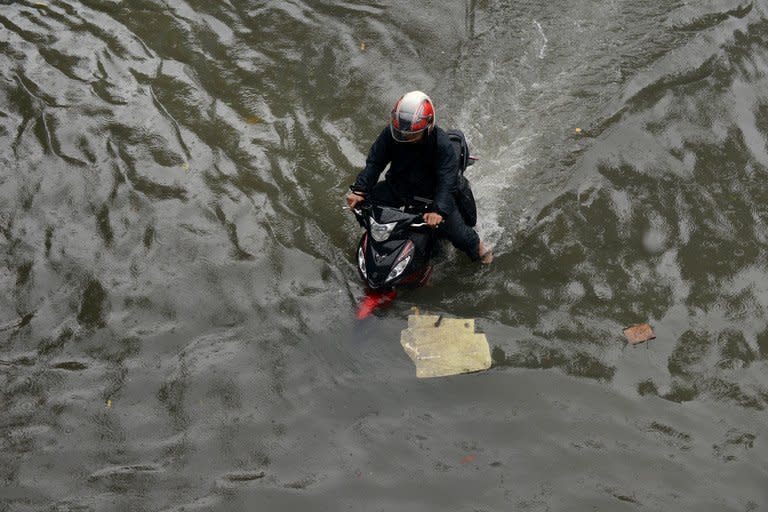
<point x="177" y="324"/>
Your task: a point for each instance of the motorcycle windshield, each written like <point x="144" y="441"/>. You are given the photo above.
<point x="387" y="214"/>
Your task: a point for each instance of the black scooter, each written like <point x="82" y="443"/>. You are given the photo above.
<point x="397" y="244"/>
<point x="394" y="251"/>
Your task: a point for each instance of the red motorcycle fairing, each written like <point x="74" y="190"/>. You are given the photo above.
<point x="374" y="299"/>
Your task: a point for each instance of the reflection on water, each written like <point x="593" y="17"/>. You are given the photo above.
<point x="177" y="330"/>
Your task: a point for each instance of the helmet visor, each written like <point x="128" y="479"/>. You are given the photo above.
<point x="405" y="135"/>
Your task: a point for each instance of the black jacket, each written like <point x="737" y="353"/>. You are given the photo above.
<point x="426" y="169"/>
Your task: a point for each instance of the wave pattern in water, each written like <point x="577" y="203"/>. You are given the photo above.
<point x="176" y="332"/>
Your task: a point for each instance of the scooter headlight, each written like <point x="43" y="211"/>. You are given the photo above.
<point x="399" y="268"/>
<point x="361" y="262"/>
<point x="381" y="232"/>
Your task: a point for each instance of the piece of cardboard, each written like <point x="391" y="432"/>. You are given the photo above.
<point x="638" y="333"/>
<point x="444" y="346"/>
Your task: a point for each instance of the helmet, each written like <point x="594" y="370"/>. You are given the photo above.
<point x="412" y="114"/>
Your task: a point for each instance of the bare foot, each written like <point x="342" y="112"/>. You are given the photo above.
<point x="486" y="254"/>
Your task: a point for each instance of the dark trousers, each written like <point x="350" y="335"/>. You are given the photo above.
<point x="453" y="226"/>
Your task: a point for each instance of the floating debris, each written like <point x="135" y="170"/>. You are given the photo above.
<point x="109" y="404"/>
<point x="254" y="119"/>
<point x="300" y="484"/>
<point x="237" y="479"/>
<point x="638" y="333"/>
<point x="72" y="366"/>
<point x="244" y="476"/>
<point x="124" y="472"/>
<point x="578" y="130"/>
<point x="362" y="46"/>
<point x="444" y="346"/>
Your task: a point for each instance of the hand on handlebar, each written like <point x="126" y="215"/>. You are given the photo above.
<point x="433" y="219"/>
<point x="353" y="199"/>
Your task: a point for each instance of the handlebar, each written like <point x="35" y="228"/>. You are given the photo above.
<point x="358" y="211"/>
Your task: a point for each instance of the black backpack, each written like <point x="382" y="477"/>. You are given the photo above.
<point x="465" y="200"/>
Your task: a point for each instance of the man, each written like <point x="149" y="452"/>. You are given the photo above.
<point x="422" y="163"/>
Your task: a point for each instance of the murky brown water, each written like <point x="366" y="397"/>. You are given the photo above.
<point x="177" y="325"/>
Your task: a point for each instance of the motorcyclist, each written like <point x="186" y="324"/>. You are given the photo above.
<point x="422" y="164"/>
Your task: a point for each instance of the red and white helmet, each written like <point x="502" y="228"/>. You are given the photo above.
<point x="412" y="114"/>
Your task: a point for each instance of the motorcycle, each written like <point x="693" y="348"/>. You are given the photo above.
<point x="394" y="251"/>
<point x="397" y="245"/>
